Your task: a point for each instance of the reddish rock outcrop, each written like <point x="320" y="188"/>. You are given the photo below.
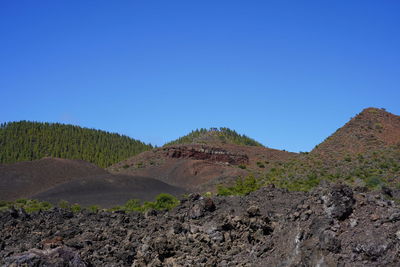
<point x="200" y="152"/>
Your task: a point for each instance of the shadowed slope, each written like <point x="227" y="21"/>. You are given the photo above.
<point x="23" y="179"/>
<point x="107" y="190"/>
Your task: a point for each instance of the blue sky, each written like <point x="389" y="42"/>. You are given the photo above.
<point x="286" y="73"/>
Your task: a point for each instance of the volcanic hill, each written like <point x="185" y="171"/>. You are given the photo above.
<point x="203" y="159"/>
<point x="372" y="129"/>
<point x="364" y="152"/>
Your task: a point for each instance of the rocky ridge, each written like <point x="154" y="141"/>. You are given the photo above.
<point x="333" y="225"/>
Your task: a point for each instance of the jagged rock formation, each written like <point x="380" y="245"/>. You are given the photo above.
<point x="330" y="226"/>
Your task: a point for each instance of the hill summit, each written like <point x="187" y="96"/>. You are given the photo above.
<point x="371" y="129"/>
<point x="220" y="135"/>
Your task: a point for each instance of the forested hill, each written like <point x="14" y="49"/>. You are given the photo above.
<point x="25" y="140"/>
<point x="215" y="135"/>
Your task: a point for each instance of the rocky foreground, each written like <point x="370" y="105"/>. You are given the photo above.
<point x="331" y="226"/>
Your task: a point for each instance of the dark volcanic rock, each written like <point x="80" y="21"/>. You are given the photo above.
<point x="269" y="227"/>
<point x="61" y="256"/>
<point x="339" y="202"/>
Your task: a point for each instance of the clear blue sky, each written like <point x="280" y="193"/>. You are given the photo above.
<point x="287" y="73"/>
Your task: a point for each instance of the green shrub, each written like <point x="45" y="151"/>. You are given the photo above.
<point x="224" y="191"/>
<point x="242" y="166"/>
<point x="63" y="204"/>
<point x="208" y="194"/>
<point x="165" y="201"/>
<point x="133" y="205"/>
<point x="260" y="165"/>
<point x="30" y="205"/>
<point x="22" y="201"/>
<point x="94" y="208"/>
<point x="76" y="208"/>
<point x="242" y="187"/>
<point x="373" y="182"/>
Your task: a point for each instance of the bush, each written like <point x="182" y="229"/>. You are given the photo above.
<point x="63" y="204"/>
<point x="76" y="208"/>
<point x="373" y="182"/>
<point x="133" y="205"/>
<point x="242" y="187"/>
<point x="224" y="191"/>
<point x="94" y="208"/>
<point x="22" y="201"/>
<point x="29" y="205"/>
<point x="260" y="165"/>
<point x="208" y="194"/>
<point x="163" y="201"/>
<point x="3" y="203"/>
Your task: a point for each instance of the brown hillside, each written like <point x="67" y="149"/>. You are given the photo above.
<point x="200" y="166"/>
<point x="23" y="179"/>
<point x="372" y="129"/>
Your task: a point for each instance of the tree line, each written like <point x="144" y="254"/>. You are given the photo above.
<point x="26" y="140"/>
<point x="224" y="135"/>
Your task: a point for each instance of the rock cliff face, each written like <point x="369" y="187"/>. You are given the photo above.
<point x="331" y="226"/>
<point x="208" y="153"/>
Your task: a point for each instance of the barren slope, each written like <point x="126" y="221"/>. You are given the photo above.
<point x="24" y="179"/>
<point x="107" y="190"/>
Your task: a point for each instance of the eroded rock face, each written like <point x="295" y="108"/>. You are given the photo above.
<point x="331" y="226"/>
<point x="203" y="152"/>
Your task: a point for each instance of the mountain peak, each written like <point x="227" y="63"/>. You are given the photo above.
<point x="372" y="128"/>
